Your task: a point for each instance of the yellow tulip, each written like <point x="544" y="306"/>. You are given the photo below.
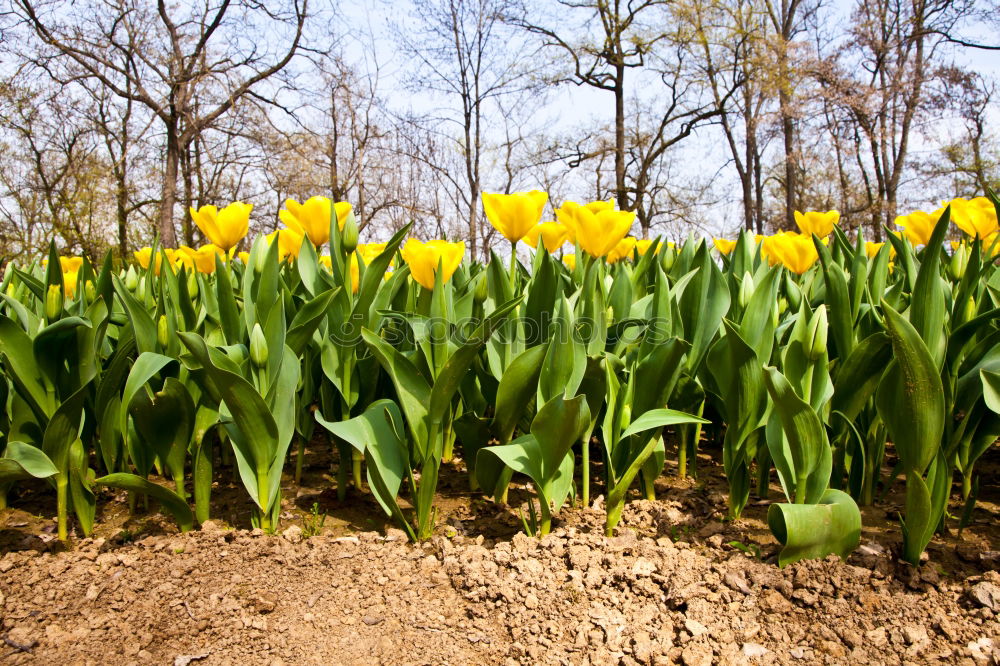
<point x="244" y="257"/>
<point x="795" y="252"/>
<point x="180" y="257"/>
<point x="570" y="261"/>
<point x="918" y="225"/>
<point x="724" y="245"/>
<point x="992" y="241"/>
<point x="145" y="254"/>
<point x="70" y="264"/>
<point x="977" y="218"/>
<point x="513" y="215"/>
<point x="224" y="228"/>
<point x="369" y="252"/>
<point x="642" y="246"/>
<point x="872" y="249"/>
<point x="814" y="222"/>
<point x="326" y="261"/>
<point x="289" y="242"/>
<point x="203" y="259"/>
<point x="423" y="260"/>
<point x="597" y="206"/>
<point x="622" y="251"/>
<point x="553" y="235"/>
<point x="312" y="218"/>
<point x="597" y="233"/>
<point x="355" y="273"/>
<point x="69" y="282"/>
<point x="594" y="207"/>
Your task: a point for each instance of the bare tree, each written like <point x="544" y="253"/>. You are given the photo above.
<point x="53" y="174"/>
<point x="970" y="156"/>
<point x="733" y="37"/>
<point x="787" y="19"/>
<point x="168" y="55"/>
<point x="641" y="53"/>
<point x="881" y="78"/>
<point x="464" y="52"/>
<point x="624" y="36"/>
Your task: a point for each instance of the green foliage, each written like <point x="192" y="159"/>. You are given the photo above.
<point x="155" y="380"/>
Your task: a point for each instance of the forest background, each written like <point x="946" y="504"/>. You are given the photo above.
<point x="703" y="116"/>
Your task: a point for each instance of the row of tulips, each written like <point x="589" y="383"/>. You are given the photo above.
<point x="815" y="359"/>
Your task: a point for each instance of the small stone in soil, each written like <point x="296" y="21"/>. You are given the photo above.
<point x="751" y="650"/>
<point x="695" y="628"/>
<point x="986" y="594"/>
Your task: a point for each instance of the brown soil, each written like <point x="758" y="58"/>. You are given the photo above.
<point x="678" y="585"/>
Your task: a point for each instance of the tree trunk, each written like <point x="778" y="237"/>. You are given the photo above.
<point x="788" y="132"/>
<point x="758" y="188"/>
<point x="334" y="140"/>
<point x="168" y="238"/>
<point x="620" y="193"/>
<point x="121" y="209"/>
<point x="786" y="30"/>
<point x="188" y="197"/>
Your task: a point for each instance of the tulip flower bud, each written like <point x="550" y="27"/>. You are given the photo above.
<point x="258" y="347"/>
<point x="192" y="285"/>
<point x="970" y="309"/>
<point x="669" y="255"/>
<point x="782" y="305"/>
<point x="792" y="293"/>
<point x="163" y="332"/>
<point x="482" y="289"/>
<point x="258" y="254"/>
<point x="90" y="291"/>
<point x="53" y="302"/>
<point x="959" y="262"/>
<point x="238" y="354"/>
<point x="11" y="290"/>
<point x="746" y="290"/>
<point x="817" y="334"/>
<point x="131" y="279"/>
<point x="349" y="234"/>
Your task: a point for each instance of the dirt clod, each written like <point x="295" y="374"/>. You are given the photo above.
<point x="986" y="594"/>
<point x="669" y="588"/>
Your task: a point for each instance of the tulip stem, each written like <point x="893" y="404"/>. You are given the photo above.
<point x="585" y="471"/>
<point x="300" y="456"/>
<point x="513" y="266"/>
<point x="62" y="505"/>
<point x="682" y="454"/>
<point x="343" y="468"/>
<point x="356" y="467"/>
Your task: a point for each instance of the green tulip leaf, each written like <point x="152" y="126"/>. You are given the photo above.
<point x="378" y="433"/>
<point x="24" y="461"/>
<point x="516" y="390"/>
<point x="168" y="499"/>
<point x="807" y="531"/>
<point x="910" y="398"/>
